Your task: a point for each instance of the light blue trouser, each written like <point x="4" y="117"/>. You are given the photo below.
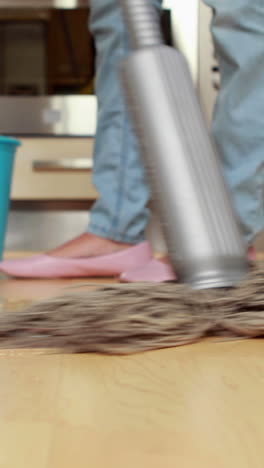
<point x="121" y="213"/>
<point x="238" y="126"/>
<point x="238" y="28"/>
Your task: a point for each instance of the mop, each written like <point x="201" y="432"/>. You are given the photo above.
<point x="219" y="293"/>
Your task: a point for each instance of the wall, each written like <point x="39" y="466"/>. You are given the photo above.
<point x="185" y="16"/>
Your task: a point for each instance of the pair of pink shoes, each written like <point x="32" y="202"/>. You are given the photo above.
<point x="135" y="264"/>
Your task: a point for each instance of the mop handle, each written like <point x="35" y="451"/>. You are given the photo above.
<point x="143" y="23"/>
<point x="186" y="177"/>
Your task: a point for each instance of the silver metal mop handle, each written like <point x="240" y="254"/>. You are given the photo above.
<point x="200" y="227"/>
<point x="143" y="23"/>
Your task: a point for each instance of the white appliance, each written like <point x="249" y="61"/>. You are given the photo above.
<point x="208" y="75"/>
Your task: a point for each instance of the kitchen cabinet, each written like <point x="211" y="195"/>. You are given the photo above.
<point x="54" y="169"/>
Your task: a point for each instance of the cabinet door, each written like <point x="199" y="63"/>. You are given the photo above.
<point x="54" y="169"/>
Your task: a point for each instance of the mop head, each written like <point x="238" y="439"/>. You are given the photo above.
<point x="130" y="318"/>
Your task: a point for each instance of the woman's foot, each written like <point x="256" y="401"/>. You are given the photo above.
<point x="161" y="271"/>
<point x="101" y="263"/>
<point x="252" y="254"/>
<point x="85" y="256"/>
<point x="88" y="245"/>
<point x="155" y="271"/>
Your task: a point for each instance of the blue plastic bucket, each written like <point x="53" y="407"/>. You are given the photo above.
<point x="8" y="147"/>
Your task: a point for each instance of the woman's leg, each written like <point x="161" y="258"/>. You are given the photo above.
<point x="238" y="125"/>
<point x="121" y="212"/>
<point x="120" y="216"/>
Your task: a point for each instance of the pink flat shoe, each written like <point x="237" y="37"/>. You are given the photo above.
<point x="252" y="254"/>
<point x="154" y="271"/>
<point x="46" y="266"/>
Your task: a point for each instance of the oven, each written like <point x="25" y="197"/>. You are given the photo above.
<point x="46" y="77"/>
<point x="47" y="68"/>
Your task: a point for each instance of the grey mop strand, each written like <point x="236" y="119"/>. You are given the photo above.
<point x="131" y="318"/>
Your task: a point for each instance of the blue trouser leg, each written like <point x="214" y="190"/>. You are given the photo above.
<point x="238" y="125"/>
<point x="121" y="212"/>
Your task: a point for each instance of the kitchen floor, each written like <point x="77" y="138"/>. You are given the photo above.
<point x="195" y="406"/>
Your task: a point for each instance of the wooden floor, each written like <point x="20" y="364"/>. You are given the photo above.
<point x="198" y="406"/>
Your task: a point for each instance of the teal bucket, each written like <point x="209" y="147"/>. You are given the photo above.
<point x="8" y="147"/>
